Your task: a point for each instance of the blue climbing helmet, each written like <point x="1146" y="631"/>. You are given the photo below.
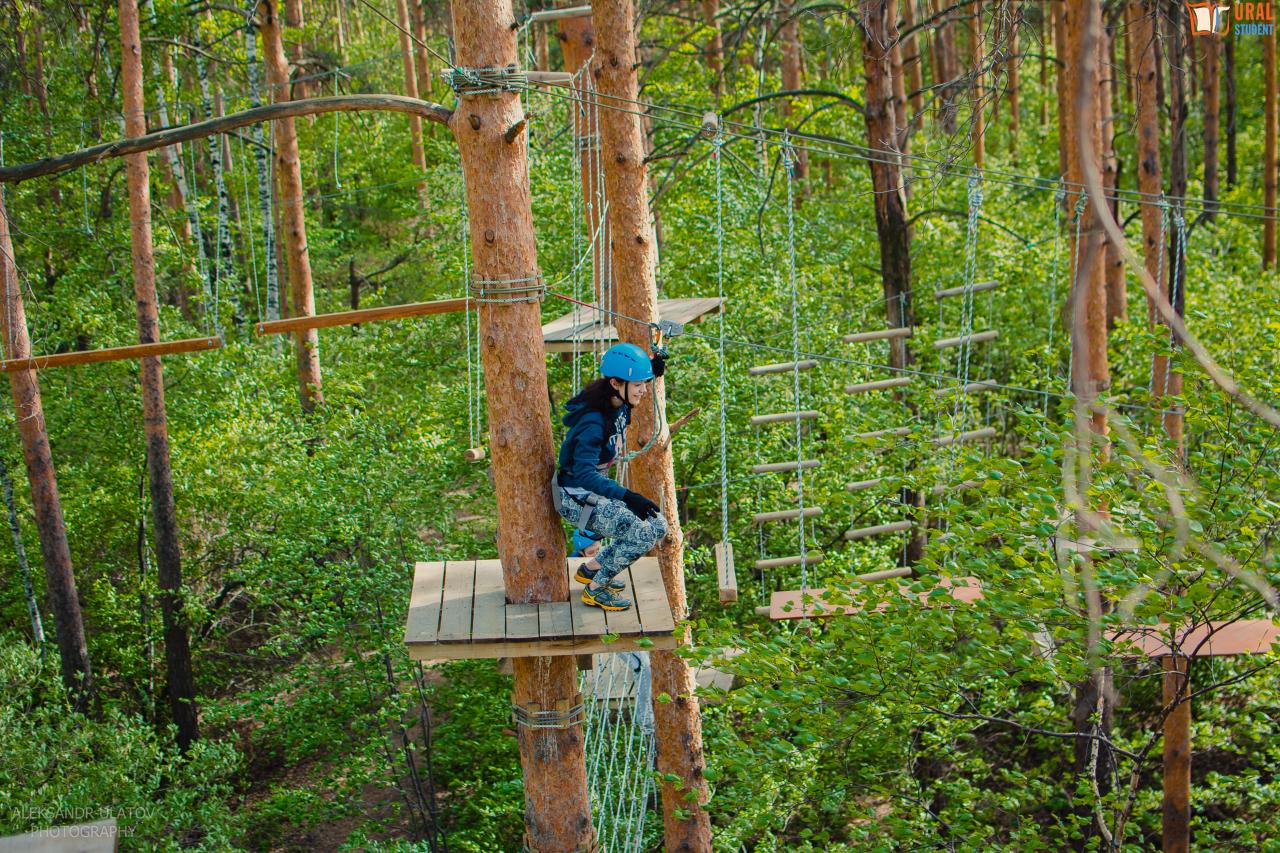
<point x="627" y="362"/>
<point x="581" y="542"/>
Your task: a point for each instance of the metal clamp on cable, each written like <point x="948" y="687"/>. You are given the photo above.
<point x="485" y="81"/>
<point x="567" y="714"/>
<point x="506" y="290"/>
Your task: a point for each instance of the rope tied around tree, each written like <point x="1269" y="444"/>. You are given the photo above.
<point x="508" y="290"/>
<point x="484" y="81"/>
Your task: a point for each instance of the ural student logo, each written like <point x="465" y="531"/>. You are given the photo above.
<point x="1250" y="19"/>
<point x="1208" y="19"/>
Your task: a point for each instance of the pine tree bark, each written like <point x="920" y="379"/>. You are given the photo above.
<point x="1211" y="124"/>
<point x="789" y="34"/>
<point x="577" y="41"/>
<point x="530" y="538"/>
<point x="1229" y="79"/>
<point x="289" y="174"/>
<point x="1013" y="65"/>
<point x="60" y="580"/>
<point x="1113" y="263"/>
<point x="1176" y="805"/>
<point x="977" y="54"/>
<point x="911" y="62"/>
<point x="946" y="66"/>
<point x="181" y="681"/>
<point x="1047" y="46"/>
<point x="1176" y="39"/>
<point x="687" y="826"/>
<point x="1150" y="183"/>
<point x="1270" y="165"/>
<point x="293" y="20"/>
<point x="422" y="59"/>
<point x="411" y="89"/>
<point x="715" y="45"/>
<point x="1062" y="78"/>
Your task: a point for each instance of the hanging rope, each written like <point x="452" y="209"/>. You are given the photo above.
<point x="724" y="403"/>
<point x="1059" y="198"/>
<point x="789" y="162"/>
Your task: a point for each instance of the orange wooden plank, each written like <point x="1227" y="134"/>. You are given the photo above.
<point x="1213" y="639"/>
<point x="362" y="315"/>
<point x="98" y="356"/>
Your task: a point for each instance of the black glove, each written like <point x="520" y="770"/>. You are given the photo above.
<point x="659" y="363"/>
<point x="640" y="505"/>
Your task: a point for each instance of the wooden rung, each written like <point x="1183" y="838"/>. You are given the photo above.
<point x="555" y="78"/>
<point x="474" y="454"/>
<point x="957" y="291"/>
<point x="98" y="356"/>
<point x="775" y="467"/>
<point x="896" y="432"/>
<point x="807" y="415"/>
<point x="878" y="385"/>
<point x="877" y="530"/>
<point x="558" y="14"/>
<point x="971" y="435"/>
<point x="975" y="338"/>
<point x="725" y="572"/>
<point x="878" y="335"/>
<point x="781" y="367"/>
<point x="779" y="562"/>
<point x="861" y="485"/>
<point x="971" y="388"/>
<point x="363" y="315"/>
<point x="942" y="488"/>
<point x="786" y="514"/>
<point x="762" y="611"/>
<point x="872" y="577"/>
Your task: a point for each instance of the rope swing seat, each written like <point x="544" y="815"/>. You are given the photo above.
<point x="459" y="610"/>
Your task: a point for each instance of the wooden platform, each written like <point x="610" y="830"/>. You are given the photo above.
<point x="1214" y="639"/>
<point x="583" y="327"/>
<point x="459" y="610"/>
<point x="812" y="603"/>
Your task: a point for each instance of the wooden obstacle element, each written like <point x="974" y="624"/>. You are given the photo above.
<point x="726" y="575"/>
<point x="776" y="467"/>
<point x="878" y="335"/>
<point x="961" y="437"/>
<point x="958" y="291"/>
<point x="786" y="515"/>
<point x="878" y="385"/>
<point x="895" y="432"/>
<point x="863" y="485"/>
<point x="459" y="610"/>
<point x="877" y="530"/>
<point x="610" y="679"/>
<point x="781" y="367"/>
<point x="798" y="604"/>
<point x="784" y="417"/>
<point x="98" y="837"/>
<point x="781" y="562"/>
<point x="98" y="356"/>
<point x="969" y="388"/>
<point x="363" y="315"/>
<point x="474" y="454"/>
<point x="578" y="330"/>
<point x="549" y="78"/>
<point x="1210" y="639"/>
<point x="544" y="15"/>
<point x="975" y="338"/>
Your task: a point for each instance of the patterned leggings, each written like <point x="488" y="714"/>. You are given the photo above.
<point x="631" y="537"/>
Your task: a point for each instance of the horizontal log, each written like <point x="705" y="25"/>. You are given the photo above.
<point x="878" y="335"/>
<point x="878" y="385"/>
<point x="98" y="356"/>
<point x="780" y="562"/>
<point x="969" y="388"/>
<point x="781" y="367"/>
<point x="363" y="315"/>
<point x="877" y="530"/>
<point x="763" y="610"/>
<point x="956" y="291"/>
<point x="807" y="415"/>
<point x="559" y="14"/>
<point x="474" y="454"/>
<point x="223" y="124"/>
<point x="896" y="432"/>
<point x="971" y="435"/>
<point x="786" y="514"/>
<point x="886" y="574"/>
<point x="975" y="338"/>
<point x="862" y="485"/>
<point x="775" y="467"/>
<point x="555" y="78"/>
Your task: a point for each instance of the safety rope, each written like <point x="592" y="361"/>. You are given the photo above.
<point x="1082" y="201"/>
<point x="1059" y="198"/>
<point x="724" y="403"/>
<point x="789" y="161"/>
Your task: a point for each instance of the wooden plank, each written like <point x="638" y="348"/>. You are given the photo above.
<point x="543" y="15"/>
<point x="1212" y="639"/>
<point x="862" y="485"/>
<point x="877" y="530"/>
<point x="550" y="78"/>
<point x="458" y="601"/>
<point x="877" y="335"/>
<point x="878" y="385"/>
<point x="781" y="367"/>
<point x="98" y="837"/>
<point x="98" y="356"/>
<point x="786" y="514"/>
<point x="559" y="335"/>
<point x="978" y="287"/>
<point x="489" y="620"/>
<point x="651" y="597"/>
<point x="522" y="622"/>
<point x="555" y="620"/>
<point x="423" y="623"/>
<point x="781" y="417"/>
<point x="895" y="432"/>
<point x="971" y="435"/>
<point x="780" y="562"/>
<point x="726" y="573"/>
<point x="975" y="338"/>
<point x="539" y="648"/>
<point x="362" y="315"/>
<point x="626" y="623"/>
<point x="775" y="467"/>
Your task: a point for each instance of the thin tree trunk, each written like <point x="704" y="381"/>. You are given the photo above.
<point x="1113" y="263"/>
<point x="1211" y="104"/>
<point x="911" y="61"/>
<point x="1178" y="112"/>
<point x="181" y="681"/>
<point x="715" y="45"/>
<point x="977" y="55"/>
<point x="789" y="33"/>
<point x="948" y="66"/>
<point x="1046" y="42"/>
<point x="293" y="20"/>
<point x="1270" y="165"/>
<point x="1062" y="75"/>
<point x="20" y="552"/>
<point x="898" y="84"/>
<point x="1229" y="75"/>
<point x="411" y="89"/>
<point x="60" y="580"/>
<point x="422" y="59"/>
<point x="530" y="539"/>
<point x="1176" y="806"/>
<point x="1012" y="65"/>
<point x="577" y="41"/>
<point x="687" y="826"/>
<point x="1143" y="62"/>
<point x="262" y="166"/>
<point x="307" y="343"/>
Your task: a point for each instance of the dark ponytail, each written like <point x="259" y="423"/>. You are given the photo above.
<point x="597" y="395"/>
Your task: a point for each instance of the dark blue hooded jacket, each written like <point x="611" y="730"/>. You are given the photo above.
<point x="591" y="446"/>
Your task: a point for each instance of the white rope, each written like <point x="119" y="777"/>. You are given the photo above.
<point x="788" y="161"/>
<point x="724" y="405"/>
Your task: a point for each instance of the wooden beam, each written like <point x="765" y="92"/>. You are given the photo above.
<point x="878" y="335"/>
<point x="725" y="572"/>
<point x="807" y="415"/>
<point x="363" y="315"/>
<point x="224" y="124"/>
<point x="97" y="356"/>
<point x="780" y="562"/>
<point x="956" y="291"/>
<point x="781" y="367"/>
<point x="786" y="514"/>
<point x="860" y="485"/>
<point x="544" y="15"/>
<point x="776" y="467"/>
<point x="877" y="530"/>
<point x="971" y="435"/>
<point x="895" y="432"/>
<point x="878" y="385"/>
<point x="975" y="338"/>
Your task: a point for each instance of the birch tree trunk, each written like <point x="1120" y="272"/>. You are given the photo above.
<point x="262" y="166"/>
<point x="181" y="681"/>
<point x="60" y="580"/>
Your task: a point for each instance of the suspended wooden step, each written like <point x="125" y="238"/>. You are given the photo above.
<point x="878" y="335"/>
<point x="863" y="485"/>
<point x="969" y="388"/>
<point x="877" y="530"/>
<point x="960" y="437"/>
<point x="784" y="417"/>
<point x="544" y="15"/>
<point x="957" y="291"/>
<point x="813" y="603"/>
<point x="786" y="515"/>
<point x="363" y="315"/>
<point x="474" y="454"/>
<point x="975" y="338"/>
<point x="459" y="610"/>
<point x="878" y="385"/>
<point x="98" y="356"/>
<point x="725" y="572"/>
<point x="782" y="367"/>
<point x="549" y="78"/>
<point x="1212" y="639"/>
<point x="885" y="574"/>
<point x="781" y="562"/>
<point x="895" y="432"/>
<point x="775" y="467"/>
<point x="580" y="329"/>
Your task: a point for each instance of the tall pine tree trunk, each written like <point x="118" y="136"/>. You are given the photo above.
<point x="1143" y="61"/>
<point x="577" y="42"/>
<point x="715" y="45"/>
<point x="1013" y="65"/>
<point x="1211" y="104"/>
<point x="1062" y="73"/>
<point x="1229" y="78"/>
<point x="1176" y="39"/>
<point x="293" y="20"/>
<point x="1270" y="165"/>
<point x="60" y="580"/>
<point x="411" y="89"/>
<point x="979" y="114"/>
<point x="421" y="58"/>
<point x="911" y="62"/>
<point x="789" y="33"/>
<point x="180" y="679"/>
<point x="1113" y="263"/>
